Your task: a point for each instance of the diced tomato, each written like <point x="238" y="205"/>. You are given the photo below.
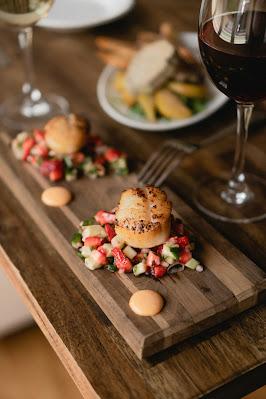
<point x="51" y="165"/>
<point x="27" y="146"/>
<point x="121" y="261"/>
<point x="41" y="150"/>
<point x="56" y="175"/>
<point x="77" y="158"/>
<point x="182" y="241"/>
<point x="93" y="242"/>
<point x="99" y="257"/>
<point x="100" y="160"/>
<point x="153" y="259"/>
<point x="112" y="155"/>
<point x="159" y="249"/>
<point x="104" y="217"/>
<point x="109" y="231"/>
<point x="159" y="271"/>
<point x="185" y="256"/>
<point x="102" y="250"/>
<point x="38" y="135"/>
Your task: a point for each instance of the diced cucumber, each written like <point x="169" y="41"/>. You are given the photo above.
<point x="76" y="240"/>
<point x="71" y="174"/>
<point x="170" y="251"/>
<point x="192" y="264"/>
<point x="92" y="264"/>
<point x="119" y="166"/>
<point x="140" y="268"/>
<point x="170" y="260"/>
<point x="108" y="249"/>
<point x="129" y="252"/>
<point x="117" y="242"/>
<point x="85" y="251"/>
<point x="93" y="231"/>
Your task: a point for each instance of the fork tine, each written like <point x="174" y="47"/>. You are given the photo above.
<point x="163" y="165"/>
<point x="155" y="164"/>
<point x="149" y="162"/>
<point x="168" y="170"/>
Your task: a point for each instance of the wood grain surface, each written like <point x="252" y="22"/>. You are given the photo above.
<point x="193" y="301"/>
<point x="82" y="336"/>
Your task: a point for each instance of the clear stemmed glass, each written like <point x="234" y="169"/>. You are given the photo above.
<point x="232" y="40"/>
<point x="31" y="107"/>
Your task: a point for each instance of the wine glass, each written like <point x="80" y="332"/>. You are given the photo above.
<point x="232" y="40"/>
<point x="31" y="107"/>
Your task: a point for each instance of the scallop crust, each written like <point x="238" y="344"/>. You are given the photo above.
<point x="143" y="217"/>
<point x="66" y="134"/>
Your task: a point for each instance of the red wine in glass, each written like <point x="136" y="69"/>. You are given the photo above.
<point x="232" y="40"/>
<point x="236" y="58"/>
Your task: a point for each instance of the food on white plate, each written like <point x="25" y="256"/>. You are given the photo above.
<point x="65" y="149"/>
<point x="151" y="67"/>
<point x="139" y="236"/>
<point x="146" y="302"/>
<point x="156" y="78"/>
<point x="143" y="217"/>
<point x="56" y="196"/>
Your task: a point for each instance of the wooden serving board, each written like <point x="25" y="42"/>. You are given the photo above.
<point x="194" y="301"/>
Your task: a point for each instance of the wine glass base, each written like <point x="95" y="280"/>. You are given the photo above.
<point x="19" y="113"/>
<point x="209" y="199"/>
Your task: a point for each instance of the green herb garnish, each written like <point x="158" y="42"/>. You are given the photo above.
<point x="76" y="240"/>
<point x="175" y="252"/>
<point x="137" y="109"/>
<point x="112" y="268"/>
<point x="89" y="222"/>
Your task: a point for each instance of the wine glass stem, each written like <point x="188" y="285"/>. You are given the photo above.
<point x="25" y="44"/>
<point x="238" y="192"/>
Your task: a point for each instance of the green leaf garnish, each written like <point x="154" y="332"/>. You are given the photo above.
<point x="89" y="222"/>
<point x="76" y="238"/>
<point x="137" y="109"/>
<point x="175" y="252"/>
<point x="112" y="268"/>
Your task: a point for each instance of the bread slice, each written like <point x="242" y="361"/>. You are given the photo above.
<point x="66" y="134"/>
<point x="143" y="217"/>
<point x="151" y="67"/>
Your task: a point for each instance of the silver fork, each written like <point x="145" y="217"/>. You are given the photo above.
<point x="163" y="161"/>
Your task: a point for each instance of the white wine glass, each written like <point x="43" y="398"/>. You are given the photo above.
<point x="31" y="108"/>
<point x="232" y="40"/>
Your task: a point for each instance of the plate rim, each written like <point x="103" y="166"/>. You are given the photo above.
<point x="58" y="27"/>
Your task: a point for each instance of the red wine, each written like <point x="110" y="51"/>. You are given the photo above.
<point x="233" y="48"/>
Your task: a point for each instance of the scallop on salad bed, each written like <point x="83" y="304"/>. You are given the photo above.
<point x="98" y="245"/>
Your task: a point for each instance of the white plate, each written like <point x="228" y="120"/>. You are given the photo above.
<point x="116" y="109"/>
<point x="81" y="14"/>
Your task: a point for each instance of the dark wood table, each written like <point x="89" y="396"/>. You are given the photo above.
<point x="227" y="360"/>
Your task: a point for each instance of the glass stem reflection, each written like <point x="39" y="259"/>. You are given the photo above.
<point x="30" y="93"/>
<point x="238" y="192"/>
